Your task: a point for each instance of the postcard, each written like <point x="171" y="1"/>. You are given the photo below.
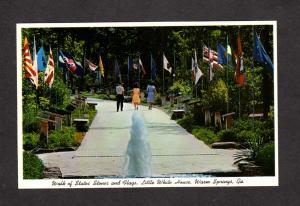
<point x="147" y="104"/>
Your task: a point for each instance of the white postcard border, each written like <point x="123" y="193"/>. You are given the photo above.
<point x="142" y="182"/>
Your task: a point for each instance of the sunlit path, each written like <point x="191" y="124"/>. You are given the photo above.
<point x="174" y="150"/>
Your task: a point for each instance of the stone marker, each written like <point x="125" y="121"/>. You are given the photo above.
<point x="225" y="145"/>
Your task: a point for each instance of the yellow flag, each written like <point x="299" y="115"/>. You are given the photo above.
<point x="101" y="66"/>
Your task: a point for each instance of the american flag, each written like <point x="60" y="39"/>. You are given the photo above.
<point x="31" y="72"/>
<point x="49" y="72"/>
<point x="214" y="58"/>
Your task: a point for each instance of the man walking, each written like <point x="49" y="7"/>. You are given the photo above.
<point x="120" y="96"/>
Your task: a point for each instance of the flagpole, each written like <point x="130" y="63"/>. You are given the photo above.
<point x="203" y="62"/>
<point x="128" y="73"/>
<point x="239" y="101"/>
<point x="151" y="66"/>
<point x="100" y="80"/>
<point x="163" y="79"/>
<point x="195" y="72"/>
<point x="139" y="67"/>
<point x="253" y="97"/>
<point x="99" y="71"/>
<point x="174" y="63"/>
<point x="35" y="64"/>
<point x="227" y="105"/>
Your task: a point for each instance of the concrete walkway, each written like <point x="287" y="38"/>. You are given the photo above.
<point x="174" y="150"/>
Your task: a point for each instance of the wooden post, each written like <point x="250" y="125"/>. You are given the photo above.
<point x="207" y="117"/>
<point x="44" y="129"/>
<point x="218" y="122"/>
<point x="58" y="122"/>
<point x="228" y="120"/>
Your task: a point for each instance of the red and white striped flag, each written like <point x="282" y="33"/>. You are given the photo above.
<point x="49" y="72"/>
<point x="31" y="72"/>
<point x="214" y="57"/>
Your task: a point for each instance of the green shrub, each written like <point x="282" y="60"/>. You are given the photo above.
<point x="245" y="136"/>
<point x="112" y="97"/>
<point x="62" y="138"/>
<point x="227" y="135"/>
<point x="102" y="96"/>
<point x="206" y="135"/>
<point x="263" y="129"/>
<point x="180" y="86"/>
<point x="187" y="122"/>
<point x="79" y="113"/>
<point x="30" y="113"/>
<point x="216" y="95"/>
<point x="30" y="140"/>
<point x="266" y="159"/>
<point x="32" y="166"/>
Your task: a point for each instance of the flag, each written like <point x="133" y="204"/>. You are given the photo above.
<point x="117" y="70"/>
<point x="153" y="69"/>
<point x="66" y="60"/>
<point x="35" y="65"/>
<point x="211" y="64"/>
<point x="193" y="70"/>
<point x="260" y="54"/>
<point x="31" y="72"/>
<point x="49" y="72"/>
<point x="101" y="67"/>
<point x="142" y="67"/>
<point x="129" y="64"/>
<point x="240" y="52"/>
<point x="228" y="54"/>
<point x="215" y="63"/>
<point x="221" y="54"/>
<point x="41" y="60"/>
<point x="239" y="77"/>
<point x="166" y="64"/>
<point x="61" y="61"/>
<point x="90" y="65"/>
<point x="197" y="71"/>
<point x="79" y="68"/>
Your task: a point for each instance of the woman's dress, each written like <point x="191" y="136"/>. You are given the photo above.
<point x="136" y="96"/>
<point x="150" y="93"/>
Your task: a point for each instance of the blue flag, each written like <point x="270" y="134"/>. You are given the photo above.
<point x="260" y="54"/>
<point x="79" y="68"/>
<point x="41" y="60"/>
<point x="130" y="64"/>
<point x="221" y="54"/>
<point x="117" y="71"/>
<point x="153" y="69"/>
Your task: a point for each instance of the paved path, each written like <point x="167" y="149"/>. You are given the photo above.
<point x="174" y="150"/>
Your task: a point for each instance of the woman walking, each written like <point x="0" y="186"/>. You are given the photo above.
<point x="136" y="96"/>
<point x="151" y="94"/>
